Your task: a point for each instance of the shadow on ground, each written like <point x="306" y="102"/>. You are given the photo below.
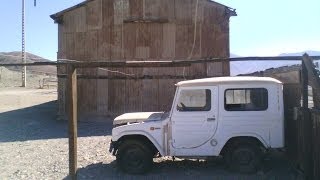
<point x="39" y="122"/>
<point x="274" y="167"/>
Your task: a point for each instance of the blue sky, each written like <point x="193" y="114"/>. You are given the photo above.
<point x="264" y="27"/>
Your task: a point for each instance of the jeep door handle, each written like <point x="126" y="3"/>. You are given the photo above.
<point x="211" y="119"/>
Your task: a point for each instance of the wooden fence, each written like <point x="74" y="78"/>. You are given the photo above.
<point x="302" y="123"/>
<point x="307" y="155"/>
<point x="315" y="114"/>
<point x="293" y="127"/>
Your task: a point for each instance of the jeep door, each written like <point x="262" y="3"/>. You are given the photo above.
<point x="194" y="116"/>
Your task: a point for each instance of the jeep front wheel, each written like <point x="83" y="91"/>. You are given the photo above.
<point x="243" y="158"/>
<point x="134" y="157"/>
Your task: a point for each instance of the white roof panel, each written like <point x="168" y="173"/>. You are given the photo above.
<point x="228" y="80"/>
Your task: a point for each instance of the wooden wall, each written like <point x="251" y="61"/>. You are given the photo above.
<point x="99" y="30"/>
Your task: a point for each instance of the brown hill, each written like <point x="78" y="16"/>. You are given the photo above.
<point x="15" y="57"/>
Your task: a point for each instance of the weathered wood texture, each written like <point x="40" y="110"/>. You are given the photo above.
<point x="107" y="30"/>
<point x="304" y="147"/>
<point x="72" y="108"/>
<point x="307" y="155"/>
<point x="291" y="99"/>
<point x="315" y="114"/>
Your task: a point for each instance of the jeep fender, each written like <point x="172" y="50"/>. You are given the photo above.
<point x="142" y="133"/>
<point x="244" y="135"/>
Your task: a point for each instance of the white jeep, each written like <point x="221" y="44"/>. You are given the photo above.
<point x="238" y="118"/>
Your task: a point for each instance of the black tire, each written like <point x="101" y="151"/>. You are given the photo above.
<point x="134" y="157"/>
<point x="243" y="158"/>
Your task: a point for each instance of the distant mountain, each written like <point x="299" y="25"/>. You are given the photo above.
<point x="15" y="57"/>
<point x="253" y="66"/>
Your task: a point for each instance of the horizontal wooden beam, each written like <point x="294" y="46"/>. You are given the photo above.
<point x="160" y="63"/>
<point x="146" y="20"/>
<point x="134" y="77"/>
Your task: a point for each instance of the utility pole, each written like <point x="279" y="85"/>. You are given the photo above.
<point x="23" y="52"/>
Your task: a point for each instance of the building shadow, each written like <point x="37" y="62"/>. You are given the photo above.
<point x="40" y="122"/>
<point x="274" y="167"/>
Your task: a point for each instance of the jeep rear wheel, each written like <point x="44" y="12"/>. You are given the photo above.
<point x="243" y="158"/>
<point x="134" y="157"/>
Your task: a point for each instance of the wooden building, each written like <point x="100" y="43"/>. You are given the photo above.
<point x="138" y="30"/>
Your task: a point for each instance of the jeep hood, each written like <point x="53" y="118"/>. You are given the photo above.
<point x="139" y="117"/>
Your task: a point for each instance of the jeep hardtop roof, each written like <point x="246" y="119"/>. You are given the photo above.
<point x="228" y="80"/>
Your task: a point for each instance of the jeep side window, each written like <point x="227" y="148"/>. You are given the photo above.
<point x="247" y="99"/>
<point x="194" y="100"/>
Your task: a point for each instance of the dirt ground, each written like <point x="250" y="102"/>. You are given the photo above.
<point x="11" y="79"/>
<point x="34" y="145"/>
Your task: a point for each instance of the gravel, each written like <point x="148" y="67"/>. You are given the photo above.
<point x="34" y="145"/>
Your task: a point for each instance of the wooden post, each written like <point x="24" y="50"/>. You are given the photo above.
<point x="314" y="79"/>
<point x="304" y="85"/>
<point x="72" y="105"/>
<point x="306" y="117"/>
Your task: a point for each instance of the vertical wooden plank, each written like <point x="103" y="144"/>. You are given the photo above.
<point x="304" y="86"/>
<point x="88" y="105"/>
<point x="116" y="39"/>
<point x="313" y="78"/>
<point x="156" y="41"/>
<point x="307" y="124"/>
<point x="133" y="96"/>
<point x="69" y="22"/>
<point x="61" y="70"/>
<point x="80" y="19"/>
<point x="72" y="95"/>
<point x="226" y="68"/>
<point x="70" y="45"/>
<point x="61" y="39"/>
<point x="133" y="93"/>
<point x="316" y="97"/>
<point x="104" y="54"/>
<point x="104" y="44"/>
<point x="194" y="39"/>
<point x="291" y="130"/>
<point x="94" y="15"/>
<point x="317" y="167"/>
<point x="116" y="96"/>
<point x="136" y="8"/>
<point x="91" y="46"/>
<point x="130" y="31"/>
<point x="102" y="93"/>
<point x="107" y="13"/>
<point x="152" y="8"/>
<point x="80" y="46"/>
<point x="150" y="97"/>
<point x="182" y="48"/>
<point x="166" y="94"/>
<point x="169" y="41"/>
<point x="184" y="11"/>
<point x="167" y="9"/>
<point x="215" y="69"/>
<point x="121" y="11"/>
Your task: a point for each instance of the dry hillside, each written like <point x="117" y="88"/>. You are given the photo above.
<point x="15" y="57"/>
<point x="37" y="76"/>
